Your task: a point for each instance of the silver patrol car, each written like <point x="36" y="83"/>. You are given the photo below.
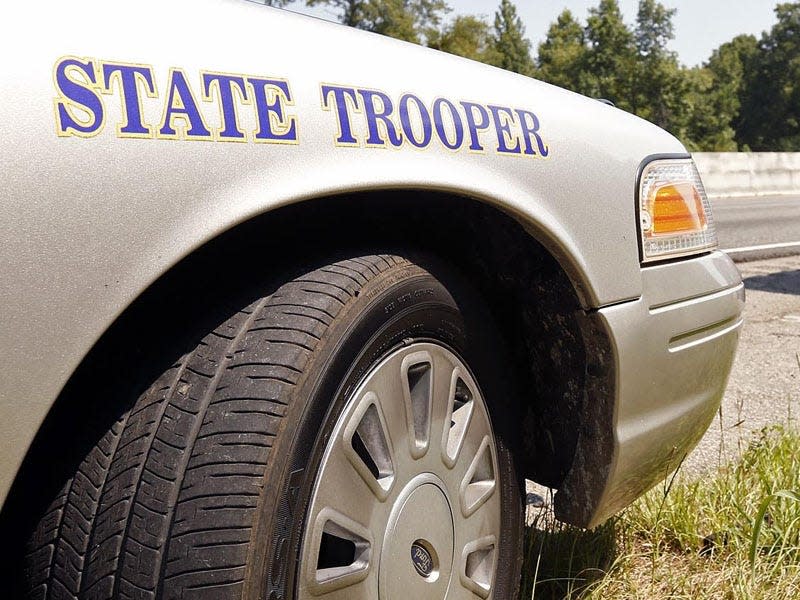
<point x="291" y="310"/>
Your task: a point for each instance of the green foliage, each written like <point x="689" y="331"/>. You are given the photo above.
<point x="513" y="49"/>
<point x="503" y="45"/>
<point x="420" y="21"/>
<point x="709" y="110"/>
<point x="563" y="54"/>
<point x="729" y="504"/>
<point x="659" y="90"/>
<point x="654" y="30"/>
<point x="715" y="94"/>
<point x="467" y="36"/>
<point x="611" y="58"/>
<point x="764" y="517"/>
<point x="770" y="102"/>
<point x="746" y="96"/>
<point x="562" y="561"/>
<point x="731" y="66"/>
<point x="735" y="533"/>
<point x="409" y="20"/>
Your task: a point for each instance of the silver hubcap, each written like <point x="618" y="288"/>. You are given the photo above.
<point x="406" y="502"/>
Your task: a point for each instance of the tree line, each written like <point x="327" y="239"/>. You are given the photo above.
<point x="745" y="97"/>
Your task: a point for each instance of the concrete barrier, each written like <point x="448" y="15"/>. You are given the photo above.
<point x="737" y="174"/>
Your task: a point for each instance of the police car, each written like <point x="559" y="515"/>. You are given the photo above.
<point x="292" y="311"/>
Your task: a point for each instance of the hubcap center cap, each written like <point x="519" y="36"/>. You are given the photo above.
<point x="417" y="555"/>
<point x="422" y="558"/>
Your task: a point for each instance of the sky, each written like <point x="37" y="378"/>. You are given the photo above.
<point x="700" y="25"/>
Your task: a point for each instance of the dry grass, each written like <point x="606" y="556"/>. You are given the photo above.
<point x="734" y="534"/>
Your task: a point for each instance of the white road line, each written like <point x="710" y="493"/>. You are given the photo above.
<point x="763" y="247"/>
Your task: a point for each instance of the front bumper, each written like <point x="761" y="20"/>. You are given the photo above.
<point x="670" y="354"/>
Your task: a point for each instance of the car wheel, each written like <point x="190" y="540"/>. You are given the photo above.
<point x="349" y="436"/>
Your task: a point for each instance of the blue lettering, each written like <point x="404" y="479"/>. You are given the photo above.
<point x="182" y="105"/>
<point x="226" y="86"/>
<point x="503" y="129"/>
<point x="475" y="126"/>
<point x="405" y="120"/>
<point x="441" y="131"/>
<point x="77" y="96"/>
<point x="273" y="125"/>
<point x="530" y="131"/>
<point x="340" y="96"/>
<point x="381" y="114"/>
<point x="129" y="76"/>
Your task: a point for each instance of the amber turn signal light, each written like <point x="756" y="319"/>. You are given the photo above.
<point x="676" y="208"/>
<point x="674" y="212"/>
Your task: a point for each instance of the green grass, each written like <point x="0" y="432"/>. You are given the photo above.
<point x="733" y="534"/>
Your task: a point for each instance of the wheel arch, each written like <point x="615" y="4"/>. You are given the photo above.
<point x="534" y="293"/>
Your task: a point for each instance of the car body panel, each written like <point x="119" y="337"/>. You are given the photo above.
<point x="90" y="222"/>
<point x="673" y="349"/>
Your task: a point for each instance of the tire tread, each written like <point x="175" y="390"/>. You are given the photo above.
<point x="156" y="509"/>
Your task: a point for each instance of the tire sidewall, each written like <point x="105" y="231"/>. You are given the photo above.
<point x="402" y="305"/>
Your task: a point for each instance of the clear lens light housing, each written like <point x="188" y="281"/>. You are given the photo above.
<point x="674" y="211"/>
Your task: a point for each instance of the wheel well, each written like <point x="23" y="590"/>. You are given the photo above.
<point x="531" y="297"/>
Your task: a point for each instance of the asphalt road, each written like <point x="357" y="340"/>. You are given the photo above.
<point x="764" y="386"/>
<point x="764" y="221"/>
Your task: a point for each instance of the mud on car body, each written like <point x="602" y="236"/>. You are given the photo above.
<point x="286" y="319"/>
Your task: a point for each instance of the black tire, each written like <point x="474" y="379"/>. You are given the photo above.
<point x="200" y="489"/>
